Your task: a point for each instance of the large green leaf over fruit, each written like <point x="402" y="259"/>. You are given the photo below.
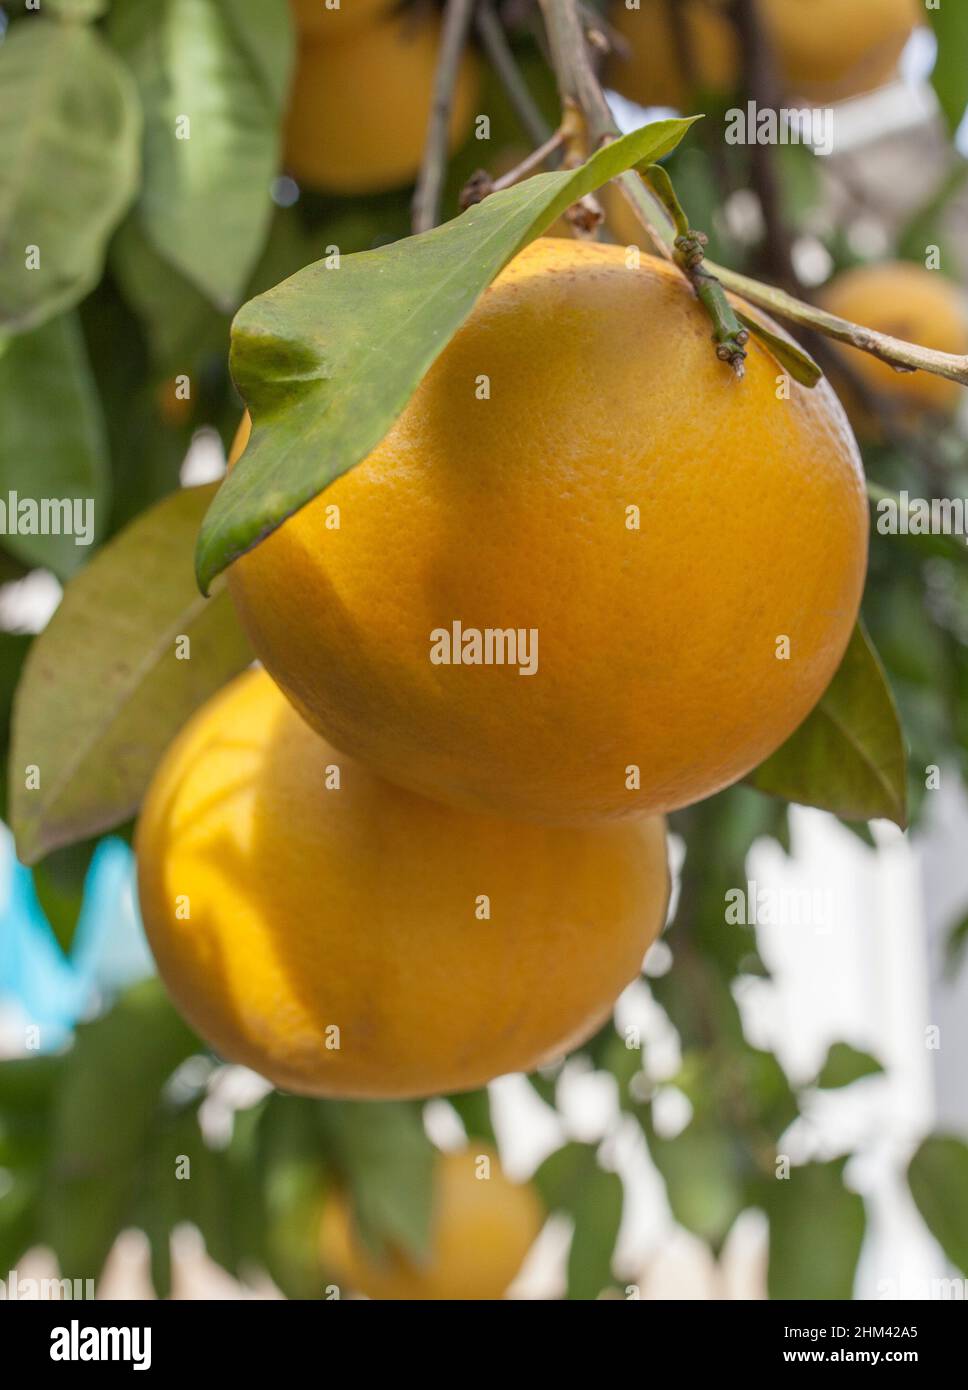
<point x="70" y="129"/>
<point x="108" y="684"/>
<point x="848" y="754"/>
<point x="331" y="356"/>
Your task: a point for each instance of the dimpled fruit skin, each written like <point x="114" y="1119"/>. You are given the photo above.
<point x="359" y="106"/>
<point x="357" y="908"/>
<point x="911" y="302"/>
<point x="481" y="1230"/>
<point x="314" y="19"/>
<point x="825" y="50"/>
<point x="656" y="646"/>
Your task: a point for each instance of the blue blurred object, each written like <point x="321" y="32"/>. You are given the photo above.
<point x="38" y="981"/>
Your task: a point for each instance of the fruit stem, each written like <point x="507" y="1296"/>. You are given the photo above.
<point x="689" y="254"/>
<point x="579" y="87"/>
<point x="577" y="80"/>
<point x="453" y="40"/>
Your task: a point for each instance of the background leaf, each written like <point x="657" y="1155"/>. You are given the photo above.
<point x="950" y="75"/>
<point x="846" y="1064"/>
<point x="52" y="454"/>
<point x="816" y="1232"/>
<point x="848" y="754"/>
<point x="106" y="1105"/>
<point x="70" y="121"/>
<point x="387" y="1161"/>
<point x="597" y="1213"/>
<point x="102" y="693"/>
<point x="938" y="1178"/>
<point x="222" y="64"/>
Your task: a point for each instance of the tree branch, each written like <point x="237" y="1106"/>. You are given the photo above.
<point x="453" y="38"/>
<point x="495" y="44"/>
<point x="577" y="81"/>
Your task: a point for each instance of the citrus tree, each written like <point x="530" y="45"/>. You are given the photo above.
<point x="476" y="357"/>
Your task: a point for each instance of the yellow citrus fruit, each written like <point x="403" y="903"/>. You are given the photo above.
<point x="481" y="1229"/>
<point x="356" y="940"/>
<point x="359" y="106"/>
<point x="831" y="49"/>
<point x="651" y="72"/>
<point x="316" y="19"/>
<point x="910" y="302"/>
<point x="825" y="50"/>
<point x="653" y="526"/>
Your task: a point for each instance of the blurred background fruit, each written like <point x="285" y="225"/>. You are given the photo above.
<point x="482" y="1227"/>
<point x="359" y="105"/>
<point x="825" y="50"/>
<point x="315" y="19"/>
<point x="910" y="302"/>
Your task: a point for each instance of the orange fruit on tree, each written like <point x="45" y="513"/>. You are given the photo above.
<point x="652" y="71"/>
<point x="317" y="19"/>
<point x="360" y="104"/>
<point x="828" y="50"/>
<point x="676" y="555"/>
<point x="481" y="1229"/>
<point x="907" y="301"/>
<point x="344" y="937"/>
<point x="824" y="50"/>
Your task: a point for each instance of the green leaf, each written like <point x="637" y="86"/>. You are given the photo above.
<point x="571" y="1180"/>
<point x="938" y="1178"/>
<point x="844" y="1065"/>
<point x="956" y="946"/>
<point x="950" y="75"/>
<point x="384" y="1156"/>
<point x="84" y="10"/>
<point x="53" y="445"/>
<point x="597" y="1213"/>
<point x="59" y="884"/>
<point x="816" y="1232"/>
<point x="791" y="357"/>
<point x="105" y="1109"/>
<point x="330" y="357"/>
<point x="179" y="320"/>
<point x="293" y="1176"/>
<point x="70" y="128"/>
<point x="848" y="754"/>
<point x="211" y="74"/>
<point x="103" y="692"/>
<point x="560" y="1177"/>
<point x="704" y="1176"/>
<point x="474" y="1109"/>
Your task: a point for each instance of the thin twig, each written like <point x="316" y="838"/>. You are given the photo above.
<point x="453" y="38"/>
<point x="480" y="185"/>
<point x="760" y="84"/>
<point x="495" y="44"/>
<point x="577" y="80"/>
<point x="617" y="43"/>
<point x="901" y="355"/>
